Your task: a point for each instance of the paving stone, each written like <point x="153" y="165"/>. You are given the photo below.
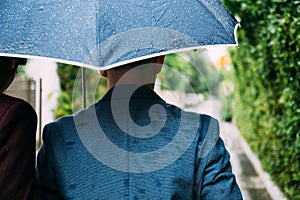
<point x="256" y="194"/>
<point x="247" y="167"/>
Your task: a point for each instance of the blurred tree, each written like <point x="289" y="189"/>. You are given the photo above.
<point x="70" y="100"/>
<point x="190" y="72"/>
<point x="21" y="72"/>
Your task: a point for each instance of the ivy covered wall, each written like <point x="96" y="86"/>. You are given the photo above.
<point x="267" y="85"/>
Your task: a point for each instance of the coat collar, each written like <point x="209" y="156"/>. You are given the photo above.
<point x="132" y="91"/>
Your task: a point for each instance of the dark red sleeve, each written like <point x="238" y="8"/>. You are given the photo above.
<point x="17" y="151"/>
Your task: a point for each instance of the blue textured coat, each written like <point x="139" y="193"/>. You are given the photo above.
<point x="90" y="156"/>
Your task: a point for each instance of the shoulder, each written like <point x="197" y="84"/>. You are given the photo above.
<point x="208" y="122"/>
<point x="204" y="125"/>
<point x="65" y="131"/>
<point x="57" y="132"/>
<point x="204" y="121"/>
<point x="9" y="102"/>
<point x="59" y="125"/>
<point x="67" y="126"/>
<point x="13" y="108"/>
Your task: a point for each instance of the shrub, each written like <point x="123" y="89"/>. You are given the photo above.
<point x="267" y="78"/>
<point x="70" y="99"/>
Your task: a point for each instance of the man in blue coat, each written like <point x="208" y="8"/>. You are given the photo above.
<point x="131" y="144"/>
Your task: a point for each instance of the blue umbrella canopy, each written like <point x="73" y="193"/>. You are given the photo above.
<point x="102" y="34"/>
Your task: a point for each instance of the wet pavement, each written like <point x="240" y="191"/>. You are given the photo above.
<point x="251" y="185"/>
<point x="255" y="184"/>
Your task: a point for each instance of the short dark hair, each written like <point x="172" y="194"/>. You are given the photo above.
<point x="21" y="61"/>
<point x="134" y="64"/>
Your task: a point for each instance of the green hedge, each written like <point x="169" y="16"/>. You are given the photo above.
<point x="267" y="95"/>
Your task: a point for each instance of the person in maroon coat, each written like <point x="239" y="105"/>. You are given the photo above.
<point x="18" y="123"/>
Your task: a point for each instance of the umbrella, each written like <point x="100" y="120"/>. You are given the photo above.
<point x="102" y="34"/>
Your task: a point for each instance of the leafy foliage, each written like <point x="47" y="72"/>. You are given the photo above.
<point x="267" y="74"/>
<point x="21" y="72"/>
<point x="191" y="72"/>
<point x="70" y="100"/>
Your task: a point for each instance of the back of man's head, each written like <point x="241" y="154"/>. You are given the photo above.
<point x="8" y="68"/>
<point x="21" y="61"/>
<point x="129" y="66"/>
<point x="140" y="72"/>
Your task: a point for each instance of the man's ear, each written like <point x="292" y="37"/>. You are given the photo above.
<point x="160" y="59"/>
<point x="103" y="73"/>
<point x="14" y="65"/>
<point x="160" y="62"/>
